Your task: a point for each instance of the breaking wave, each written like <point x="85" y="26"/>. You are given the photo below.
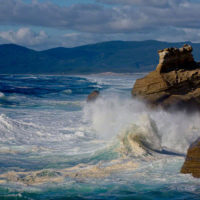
<point x="139" y="129"/>
<point x="20" y="132"/>
<point x="2" y="95"/>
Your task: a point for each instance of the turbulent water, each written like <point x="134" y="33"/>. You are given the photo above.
<point x="53" y="145"/>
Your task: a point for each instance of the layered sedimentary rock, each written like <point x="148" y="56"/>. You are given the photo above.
<point x="192" y="161"/>
<point x="176" y="80"/>
<point x="173" y="59"/>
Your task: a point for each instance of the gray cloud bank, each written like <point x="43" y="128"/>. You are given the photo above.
<point x="132" y="15"/>
<point x="121" y="19"/>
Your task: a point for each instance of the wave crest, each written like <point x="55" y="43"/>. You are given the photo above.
<point x="154" y="129"/>
<point x="140" y="141"/>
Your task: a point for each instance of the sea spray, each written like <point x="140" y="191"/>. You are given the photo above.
<point x="110" y="115"/>
<point x="140" y="141"/>
<point x="2" y="95"/>
<point x="50" y="151"/>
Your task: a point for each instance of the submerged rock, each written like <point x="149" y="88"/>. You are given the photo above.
<point x="192" y="161"/>
<point x="93" y="96"/>
<point x="175" y="82"/>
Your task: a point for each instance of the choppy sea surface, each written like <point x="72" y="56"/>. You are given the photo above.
<point x="55" y="145"/>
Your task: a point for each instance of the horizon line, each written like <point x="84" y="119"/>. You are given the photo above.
<point x="90" y="44"/>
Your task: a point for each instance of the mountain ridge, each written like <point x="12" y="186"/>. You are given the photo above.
<point x="112" y="56"/>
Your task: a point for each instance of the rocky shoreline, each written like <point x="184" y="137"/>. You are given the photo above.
<point x="175" y="84"/>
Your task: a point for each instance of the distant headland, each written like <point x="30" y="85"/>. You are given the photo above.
<point x="113" y="56"/>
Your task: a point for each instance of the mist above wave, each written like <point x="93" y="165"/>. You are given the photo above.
<point x="112" y="115"/>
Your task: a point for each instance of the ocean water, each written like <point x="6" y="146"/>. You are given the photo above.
<point x="54" y="145"/>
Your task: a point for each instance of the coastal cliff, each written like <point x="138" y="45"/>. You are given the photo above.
<point x="175" y="82"/>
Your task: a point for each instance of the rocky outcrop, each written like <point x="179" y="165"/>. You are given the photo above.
<point x="174" y="59"/>
<point x="93" y="96"/>
<point x="175" y="82"/>
<point x="192" y="161"/>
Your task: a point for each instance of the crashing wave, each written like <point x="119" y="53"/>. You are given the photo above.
<point x="132" y="120"/>
<point x="140" y="140"/>
<point x="68" y="91"/>
<point x="2" y="95"/>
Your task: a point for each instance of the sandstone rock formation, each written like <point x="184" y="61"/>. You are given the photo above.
<point x="175" y="82"/>
<point x="192" y="161"/>
<point x="174" y="59"/>
<point x="93" y="96"/>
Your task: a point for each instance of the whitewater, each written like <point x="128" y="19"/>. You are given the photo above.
<point x="55" y="145"/>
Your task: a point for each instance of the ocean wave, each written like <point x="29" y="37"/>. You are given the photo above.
<point x="110" y="116"/>
<point x="80" y="172"/>
<point x="42" y="135"/>
<point x="113" y="81"/>
<point x="140" y="141"/>
<point x="2" y="95"/>
<point x="68" y="91"/>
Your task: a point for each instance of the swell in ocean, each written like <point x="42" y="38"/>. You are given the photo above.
<point x="54" y="145"/>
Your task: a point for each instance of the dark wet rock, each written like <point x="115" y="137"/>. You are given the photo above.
<point x="192" y="161"/>
<point x="93" y="96"/>
<point x="175" y="82"/>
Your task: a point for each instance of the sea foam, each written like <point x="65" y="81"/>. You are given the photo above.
<point x="110" y="116"/>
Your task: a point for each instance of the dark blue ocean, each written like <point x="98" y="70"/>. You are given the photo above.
<point x="55" y="145"/>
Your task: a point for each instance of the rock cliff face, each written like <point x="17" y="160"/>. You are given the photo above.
<point x="192" y="161"/>
<point x="175" y="82"/>
<point x="175" y="59"/>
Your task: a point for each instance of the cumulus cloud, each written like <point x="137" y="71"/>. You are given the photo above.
<point x="84" y="17"/>
<point x="40" y="40"/>
<point x="122" y="20"/>
<point x="24" y="36"/>
<point x="96" y="18"/>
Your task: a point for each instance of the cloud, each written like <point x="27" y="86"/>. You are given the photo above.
<point x="167" y="20"/>
<point x="153" y="3"/>
<point x="41" y="40"/>
<point x="84" y="17"/>
<point x="130" y="16"/>
<point x="163" y="34"/>
<point x="24" y="36"/>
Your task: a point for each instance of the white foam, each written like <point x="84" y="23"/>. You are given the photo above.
<point x="114" y="81"/>
<point x="2" y="95"/>
<point x="110" y="115"/>
<point x="68" y="91"/>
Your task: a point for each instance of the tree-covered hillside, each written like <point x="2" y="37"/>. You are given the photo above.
<point x="114" y="56"/>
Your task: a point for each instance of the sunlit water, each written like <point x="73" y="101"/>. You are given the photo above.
<point x="54" y="145"/>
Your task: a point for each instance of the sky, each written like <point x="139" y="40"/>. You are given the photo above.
<point x="44" y="24"/>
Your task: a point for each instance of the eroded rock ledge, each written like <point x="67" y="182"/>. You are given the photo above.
<point x="174" y="59"/>
<point x="175" y="82"/>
